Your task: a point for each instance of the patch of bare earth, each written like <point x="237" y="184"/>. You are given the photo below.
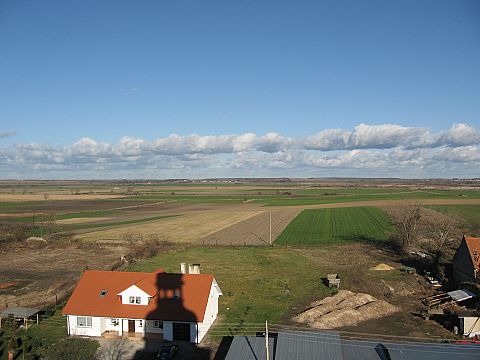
<point x="344" y="309"/>
<point x="39" y="276"/>
<point x="352" y="262"/>
<point x="255" y="230"/>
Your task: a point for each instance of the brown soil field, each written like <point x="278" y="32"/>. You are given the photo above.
<point x="184" y="228"/>
<point x="352" y="263"/>
<point x="255" y="230"/>
<point x="41" y="197"/>
<point x="37" y="276"/>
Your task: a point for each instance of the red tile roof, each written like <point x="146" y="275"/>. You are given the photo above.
<point x="473" y="245"/>
<point x="193" y="289"/>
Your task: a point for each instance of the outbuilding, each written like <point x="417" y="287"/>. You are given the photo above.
<point x="466" y="262"/>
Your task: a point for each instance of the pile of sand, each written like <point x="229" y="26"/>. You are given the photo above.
<point x="344" y="309"/>
<point x="382" y="267"/>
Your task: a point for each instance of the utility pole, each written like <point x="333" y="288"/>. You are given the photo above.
<point x="270" y="228"/>
<point x="266" y="340"/>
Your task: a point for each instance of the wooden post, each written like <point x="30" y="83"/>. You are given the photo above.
<point x="37" y="318"/>
<point x="26" y="323"/>
<point x="0" y="322"/>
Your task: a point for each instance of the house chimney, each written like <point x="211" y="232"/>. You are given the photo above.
<point x="196" y="268"/>
<point x="183" y="268"/>
<point x="190" y="269"/>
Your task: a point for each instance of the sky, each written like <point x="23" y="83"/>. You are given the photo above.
<point x="195" y="89"/>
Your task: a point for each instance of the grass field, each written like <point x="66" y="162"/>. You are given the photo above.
<point x="470" y="214"/>
<point x="258" y="283"/>
<point x="328" y="226"/>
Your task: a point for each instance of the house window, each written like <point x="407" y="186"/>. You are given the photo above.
<point x="131" y="299"/>
<point x="114" y="322"/>
<point x="140" y="323"/>
<point x="158" y="324"/>
<point x="176" y="294"/>
<point x="84" y="321"/>
<point x="138" y="300"/>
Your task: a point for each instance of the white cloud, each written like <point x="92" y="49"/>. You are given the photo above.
<point x="389" y="136"/>
<point x="367" y="150"/>
<point x="7" y="134"/>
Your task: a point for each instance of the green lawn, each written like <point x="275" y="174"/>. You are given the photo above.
<point x="328" y="226"/>
<point x="45" y="338"/>
<point x="258" y="283"/>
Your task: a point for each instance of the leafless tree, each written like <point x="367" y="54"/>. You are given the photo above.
<point x="50" y="222"/>
<point x="440" y="233"/>
<point x="406" y="220"/>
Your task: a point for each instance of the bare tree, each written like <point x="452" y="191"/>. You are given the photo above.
<point x="50" y="222"/>
<point x="407" y="220"/>
<point x="440" y="231"/>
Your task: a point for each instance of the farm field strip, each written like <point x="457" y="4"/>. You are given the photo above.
<point x="255" y="230"/>
<point x="324" y="226"/>
<point x="182" y="228"/>
<point x="470" y="214"/>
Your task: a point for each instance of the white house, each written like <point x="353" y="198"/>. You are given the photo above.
<point x="115" y="303"/>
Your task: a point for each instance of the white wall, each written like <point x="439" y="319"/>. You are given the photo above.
<point x="470" y="326"/>
<point x="111" y="327"/>
<point x="97" y="328"/>
<point x="211" y="313"/>
<point x="168" y="330"/>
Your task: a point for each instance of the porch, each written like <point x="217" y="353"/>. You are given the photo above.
<point x="112" y="334"/>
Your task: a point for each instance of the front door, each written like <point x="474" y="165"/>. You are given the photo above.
<point x="131" y="326"/>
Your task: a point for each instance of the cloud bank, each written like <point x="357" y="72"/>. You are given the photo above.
<point x="368" y="150"/>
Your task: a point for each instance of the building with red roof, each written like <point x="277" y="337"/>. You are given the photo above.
<point x="116" y="303"/>
<point x="466" y="262"/>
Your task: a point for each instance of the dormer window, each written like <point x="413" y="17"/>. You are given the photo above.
<point x="103" y="293"/>
<point x="135" y="299"/>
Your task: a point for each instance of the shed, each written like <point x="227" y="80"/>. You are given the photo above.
<point x="21" y="313"/>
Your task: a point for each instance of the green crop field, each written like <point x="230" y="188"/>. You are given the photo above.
<point x="257" y="282"/>
<point x="328" y="226"/>
<point x="330" y="196"/>
<point x="470" y="214"/>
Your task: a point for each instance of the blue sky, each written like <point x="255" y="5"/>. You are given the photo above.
<point x="106" y="70"/>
